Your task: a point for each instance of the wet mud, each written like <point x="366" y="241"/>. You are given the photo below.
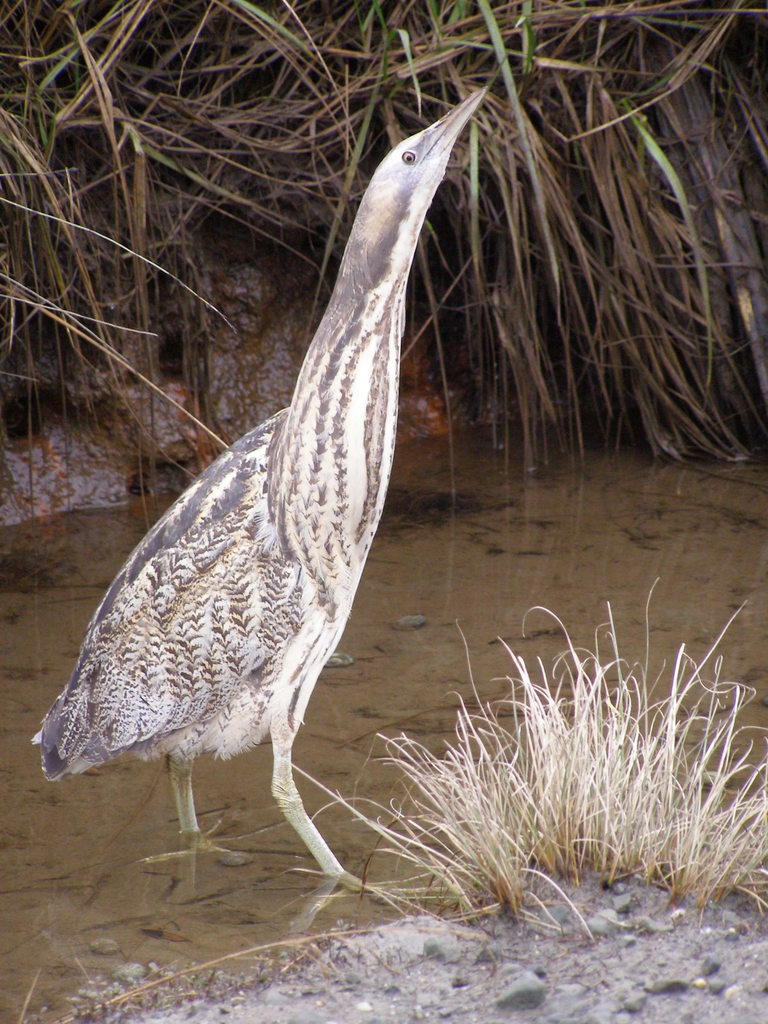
<point x="78" y="897"/>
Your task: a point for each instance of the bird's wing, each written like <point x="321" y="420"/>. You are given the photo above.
<point x="180" y="628"/>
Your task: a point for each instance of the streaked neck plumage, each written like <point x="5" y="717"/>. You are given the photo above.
<point x="331" y="458"/>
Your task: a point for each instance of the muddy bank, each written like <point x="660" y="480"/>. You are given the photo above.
<point x="609" y="957"/>
<point x="106" y="435"/>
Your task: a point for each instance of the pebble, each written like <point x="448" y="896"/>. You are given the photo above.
<point x="306" y="1017"/>
<point x="643" y="923"/>
<point x="716" y="985"/>
<point x="665" y="986"/>
<point x="711" y="965"/>
<point x="526" y="992"/>
<point x="129" y="974"/>
<point x="603" y="923"/>
<point x="490" y="953"/>
<point x="411" y="622"/>
<point x="234" y="858"/>
<point x="633" y="1001"/>
<point x="567" y="1005"/>
<point x="622" y="903"/>
<point x="558" y="913"/>
<point x="602" y="1013"/>
<point x="339" y="660"/>
<point x="104" y="947"/>
<point x="446" y="949"/>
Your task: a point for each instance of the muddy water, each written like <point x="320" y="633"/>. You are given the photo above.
<point x="569" y="536"/>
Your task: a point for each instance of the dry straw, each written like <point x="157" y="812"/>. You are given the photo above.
<point x="583" y="769"/>
<point x="600" y="260"/>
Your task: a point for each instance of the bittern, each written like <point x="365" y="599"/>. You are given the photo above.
<point x="214" y="632"/>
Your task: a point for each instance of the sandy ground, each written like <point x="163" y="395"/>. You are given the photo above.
<point x="646" y="962"/>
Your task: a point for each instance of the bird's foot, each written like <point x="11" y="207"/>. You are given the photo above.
<point x="195" y="842"/>
<point x="321" y="898"/>
<point x="350" y="881"/>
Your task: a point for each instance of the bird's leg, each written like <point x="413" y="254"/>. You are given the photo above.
<point x="195" y="841"/>
<point x="180" y="774"/>
<point x="288" y="799"/>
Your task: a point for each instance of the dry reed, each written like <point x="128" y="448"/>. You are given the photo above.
<point x="602" y="260"/>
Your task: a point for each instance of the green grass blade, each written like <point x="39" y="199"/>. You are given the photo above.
<point x="525" y="23"/>
<point x="474" y="196"/>
<point x="405" y="40"/>
<point x="660" y="158"/>
<point x="502" y="58"/>
<point x="259" y="14"/>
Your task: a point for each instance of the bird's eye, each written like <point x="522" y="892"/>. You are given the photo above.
<point x="409" y="157"/>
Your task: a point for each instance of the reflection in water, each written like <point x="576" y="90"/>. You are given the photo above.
<point x="570" y="537"/>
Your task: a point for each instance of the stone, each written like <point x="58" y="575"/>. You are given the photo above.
<point x="411" y="622"/>
<point x="603" y="923"/>
<point x="104" y="947"/>
<point x="558" y="913"/>
<point x="622" y="903"/>
<point x="526" y="992"/>
<point x="129" y="974"/>
<point x="234" y="858"/>
<point x="444" y="948"/>
<point x="633" y="1001"/>
<point x="567" y="1005"/>
<point x="490" y="953"/>
<point x="710" y="966"/>
<point x="643" y="923"/>
<point x="604" y="1012"/>
<point x="340" y="660"/>
<point x="666" y="986"/>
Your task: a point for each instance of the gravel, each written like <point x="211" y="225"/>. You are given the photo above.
<point x="679" y="968"/>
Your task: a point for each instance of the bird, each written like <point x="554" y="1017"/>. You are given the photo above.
<point x="213" y="634"/>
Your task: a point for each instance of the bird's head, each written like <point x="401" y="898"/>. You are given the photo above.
<point x="386" y="229"/>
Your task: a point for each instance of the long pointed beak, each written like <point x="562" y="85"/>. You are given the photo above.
<point x="448" y="128"/>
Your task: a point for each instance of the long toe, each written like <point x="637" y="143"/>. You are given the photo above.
<point x="194" y="843"/>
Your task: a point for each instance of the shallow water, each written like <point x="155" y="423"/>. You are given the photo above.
<point x="569" y="536"/>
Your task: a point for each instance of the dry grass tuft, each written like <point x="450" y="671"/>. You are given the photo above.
<point x="584" y="770"/>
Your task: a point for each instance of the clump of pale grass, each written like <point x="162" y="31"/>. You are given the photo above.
<point x="582" y="769"/>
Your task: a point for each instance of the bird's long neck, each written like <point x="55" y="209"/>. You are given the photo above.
<point x="333" y="457"/>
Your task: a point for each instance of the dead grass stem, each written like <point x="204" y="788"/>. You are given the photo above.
<point x="582" y="768"/>
<point x="603" y="253"/>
